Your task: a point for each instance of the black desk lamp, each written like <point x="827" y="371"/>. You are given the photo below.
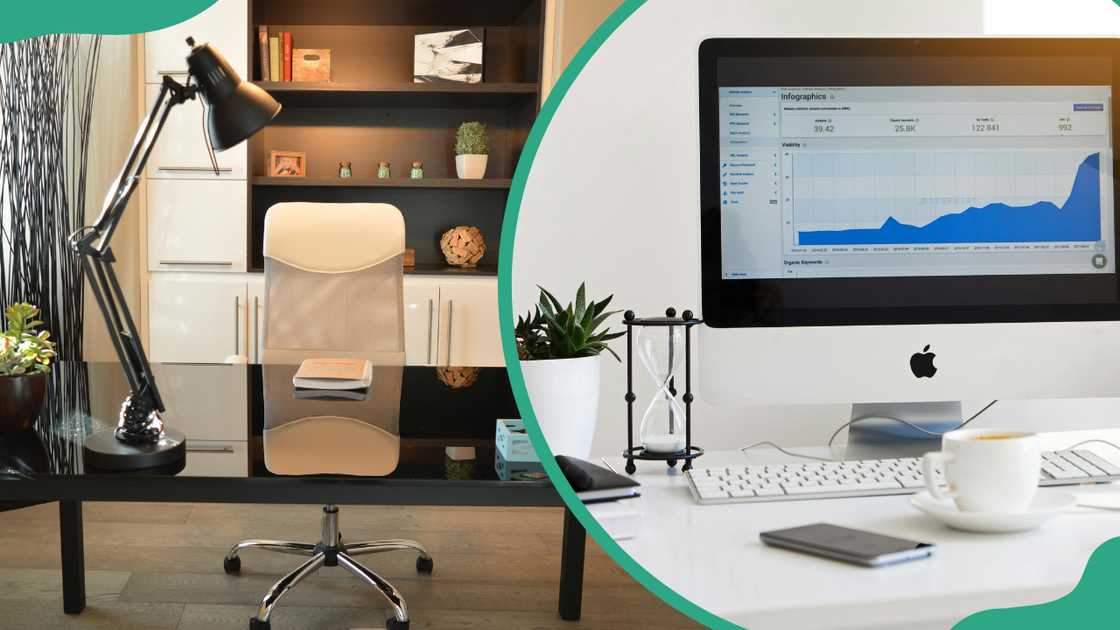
<point x="235" y="111"/>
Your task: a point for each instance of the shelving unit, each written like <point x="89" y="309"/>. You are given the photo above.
<point x="372" y="111"/>
<point x="394" y="182"/>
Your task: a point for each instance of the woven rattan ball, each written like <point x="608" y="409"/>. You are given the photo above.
<point x="462" y="246"/>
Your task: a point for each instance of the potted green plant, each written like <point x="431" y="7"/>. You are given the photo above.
<point x="25" y="360"/>
<point x="559" y="348"/>
<point x="472" y="150"/>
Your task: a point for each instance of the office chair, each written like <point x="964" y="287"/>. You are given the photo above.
<point x="333" y="288"/>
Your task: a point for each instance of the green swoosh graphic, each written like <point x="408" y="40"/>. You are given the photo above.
<point x="116" y="17"/>
<point x="1091" y="604"/>
<point x="509" y="345"/>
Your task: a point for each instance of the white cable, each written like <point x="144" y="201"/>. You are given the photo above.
<point x="791" y="453"/>
<point x="906" y="422"/>
<point x="1096" y="441"/>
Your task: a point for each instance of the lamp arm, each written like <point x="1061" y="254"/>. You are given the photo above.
<point x="139" y="421"/>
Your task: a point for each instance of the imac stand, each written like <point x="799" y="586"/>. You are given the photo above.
<point x="874" y="435"/>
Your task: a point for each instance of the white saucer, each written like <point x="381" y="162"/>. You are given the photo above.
<point x="1047" y="504"/>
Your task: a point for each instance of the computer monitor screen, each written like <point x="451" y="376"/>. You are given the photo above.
<point x="907" y="181"/>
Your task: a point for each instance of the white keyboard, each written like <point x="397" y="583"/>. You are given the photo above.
<point x="862" y="478"/>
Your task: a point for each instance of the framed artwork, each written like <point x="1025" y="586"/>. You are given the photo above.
<point x="287" y="164"/>
<point x="448" y="57"/>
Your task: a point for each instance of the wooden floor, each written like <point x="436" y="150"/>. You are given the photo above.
<point x="159" y="566"/>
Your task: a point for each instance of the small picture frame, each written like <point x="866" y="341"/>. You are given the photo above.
<point x="287" y="164"/>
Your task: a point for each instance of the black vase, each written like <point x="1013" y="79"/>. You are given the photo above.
<point x="21" y="399"/>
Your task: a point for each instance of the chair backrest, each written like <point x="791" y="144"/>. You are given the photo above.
<point x="333" y="288"/>
<point x="333" y="282"/>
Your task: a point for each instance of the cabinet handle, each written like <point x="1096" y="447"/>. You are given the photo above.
<point x="236" y="326"/>
<point x="192" y="447"/>
<point x="450" y="318"/>
<point x="208" y="263"/>
<point x="199" y="169"/>
<point x="257" y="330"/>
<point x="163" y="72"/>
<point x="431" y="308"/>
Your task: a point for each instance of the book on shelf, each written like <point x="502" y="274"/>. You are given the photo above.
<point x="333" y="374"/>
<point x="274" y="57"/>
<point x="262" y="33"/>
<point x="595" y="484"/>
<point x="287" y="43"/>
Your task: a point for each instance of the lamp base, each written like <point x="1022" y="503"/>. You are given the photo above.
<point x="104" y="451"/>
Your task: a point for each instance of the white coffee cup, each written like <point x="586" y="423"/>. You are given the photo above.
<point x="987" y="470"/>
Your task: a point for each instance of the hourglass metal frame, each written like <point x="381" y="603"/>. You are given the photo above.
<point x="690" y="452"/>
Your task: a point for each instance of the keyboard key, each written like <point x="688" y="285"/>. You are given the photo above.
<point x="1108" y="467"/>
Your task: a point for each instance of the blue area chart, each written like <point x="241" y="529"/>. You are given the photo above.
<point x="1077" y="220"/>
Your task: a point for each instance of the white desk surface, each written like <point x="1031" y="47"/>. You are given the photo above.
<point x="711" y="554"/>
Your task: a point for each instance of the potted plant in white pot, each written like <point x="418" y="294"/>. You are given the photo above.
<point x="559" y="348"/>
<point x="25" y="360"/>
<point x="472" y="150"/>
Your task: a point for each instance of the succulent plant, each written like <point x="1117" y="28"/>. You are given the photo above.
<point x="554" y="331"/>
<point x="471" y="139"/>
<point x="22" y="349"/>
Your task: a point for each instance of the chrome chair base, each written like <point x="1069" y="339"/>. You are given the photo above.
<point x="331" y="551"/>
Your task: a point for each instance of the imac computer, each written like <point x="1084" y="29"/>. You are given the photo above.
<point x="906" y="223"/>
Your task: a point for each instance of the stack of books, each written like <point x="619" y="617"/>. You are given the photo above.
<point x="333" y="379"/>
<point x="276" y="54"/>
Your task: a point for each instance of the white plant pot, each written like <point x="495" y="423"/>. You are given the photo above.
<point x="471" y="166"/>
<point x="565" y="398"/>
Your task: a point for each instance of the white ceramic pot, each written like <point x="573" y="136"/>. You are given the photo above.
<point x="471" y="166"/>
<point x="565" y="398"/>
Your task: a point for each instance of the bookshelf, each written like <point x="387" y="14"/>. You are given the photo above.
<point x="372" y="111"/>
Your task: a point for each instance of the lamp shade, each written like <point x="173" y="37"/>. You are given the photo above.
<point x="236" y="109"/>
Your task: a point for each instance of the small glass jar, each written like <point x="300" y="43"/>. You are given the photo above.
<point x="383" y="170"/>
<point x="417" y="170"/>
<point x="344" y="170"/>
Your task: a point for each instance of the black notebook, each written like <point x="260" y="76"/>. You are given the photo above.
<point x="594" y="483"/>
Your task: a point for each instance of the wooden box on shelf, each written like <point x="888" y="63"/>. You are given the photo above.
<point x="311" y="64"/>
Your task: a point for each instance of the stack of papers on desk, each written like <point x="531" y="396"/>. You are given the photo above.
<point x="334" y="374"/>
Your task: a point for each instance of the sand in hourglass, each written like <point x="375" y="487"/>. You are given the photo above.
<point x="663" y="442"/>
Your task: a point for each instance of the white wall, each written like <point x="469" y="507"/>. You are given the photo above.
<point x="613" y="194"/>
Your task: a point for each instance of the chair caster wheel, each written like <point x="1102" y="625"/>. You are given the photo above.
<point x="672" y="463"/>
<point x="257" y="624"/>
<point x="630" y="467"/>
<point x="424" y="565"/>
<point x="232" y="566"/>
<point x="392" y="624"/>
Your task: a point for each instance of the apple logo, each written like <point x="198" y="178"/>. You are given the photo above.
<point x="921" y="363"/>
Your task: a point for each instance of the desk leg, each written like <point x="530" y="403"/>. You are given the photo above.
<point x="571" y="568"/>
<point x="73" y="557"/>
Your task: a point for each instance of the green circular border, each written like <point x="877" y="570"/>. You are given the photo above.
<point x="509" y="344"/>
<point x="119" y="17"/>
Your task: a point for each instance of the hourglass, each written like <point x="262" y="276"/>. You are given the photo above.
<point x="665" y="432"/>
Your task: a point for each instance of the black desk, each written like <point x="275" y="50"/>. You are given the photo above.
<point x="45" y="464"/>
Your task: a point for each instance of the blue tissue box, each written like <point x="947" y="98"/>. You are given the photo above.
<point x="518" y="471"/>
<point x="513" y="443"/>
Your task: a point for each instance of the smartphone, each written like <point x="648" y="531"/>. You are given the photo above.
<point x="848" y="545"/>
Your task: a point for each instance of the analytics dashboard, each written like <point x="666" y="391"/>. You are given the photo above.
<point x="914" y="180"/>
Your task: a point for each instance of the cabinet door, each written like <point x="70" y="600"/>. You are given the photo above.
<point x="196" y="318"/>
<point x="224" y="25"/>
<point x="468" y="331"/>
<point x="421" y="320"/>
<point x="196" y="225"/>
<point x="255" y="305"/>
<point x="222" y="414"/>
<point x="180" y="152"/>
